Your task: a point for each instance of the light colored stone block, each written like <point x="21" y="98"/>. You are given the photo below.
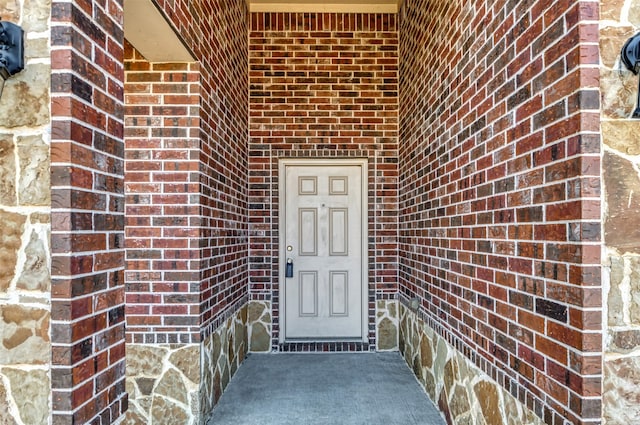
<point x="35" y="184"/>
<point x="622" y="391"/>
<point x="35" y="274"/>
<point x="10" y="243"/>
<point x="622" y="223"/>
<point x="259" y="316"/>
<point x="387" y="325"/>
<point x="30" y="392"/>
<point x="25" y="335"/>
<point x="36" y="16"/>
<point x="185" y="359"/>
<point x="158" y="384"/>
<point x="6" y="416"/>
<point x="623" y="135"/>
<point x="145" y="359"/>
<point x="25" y="99"/>
<point x="615" y="301"/>
<point x="166" y="412"/>
<point x="8" y="196"/>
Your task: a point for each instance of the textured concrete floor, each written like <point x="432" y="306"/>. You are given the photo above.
<point x="354" y="388"/>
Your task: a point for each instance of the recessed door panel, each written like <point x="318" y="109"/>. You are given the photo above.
<point x="323" y="238"/>
<point x="307" y="185"/>
<point x="308" y="293"/>
<point x="308" y="222"/>
<point x="339" y="283"/>
<point x="339" y="231"/>
<point x="338" y="185"/>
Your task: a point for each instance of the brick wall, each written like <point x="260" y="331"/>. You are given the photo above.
<point x="216" y="33"/>
<point x="162" y="138"/>
<point x="186" y="215"/>
<point x="25" y="224"/>
<point x="618" y="86"/>
<point x="499" y="192"/>
<point x="87" y="243"/>
<point x="322" y="85"/>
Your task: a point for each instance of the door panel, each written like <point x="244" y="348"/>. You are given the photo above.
<point x="308" y="231"/>
<point x="339" y="293"/>
<point x="323" y="228"/>
<point x="339" y="231"/>
<point x="308" y="294"/>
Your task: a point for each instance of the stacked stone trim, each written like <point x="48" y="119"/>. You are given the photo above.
<point x="87" y="240"/>
<point x="618" y="87"/>
<point x="500" y="191"/>
<point x="387" y="322"/>
<point x="221" y="355"/>
<point x="461" y="390"/>
<point x="259" y="326"/>
<point x="323" y="86"/>
<point x="180" y="383"/>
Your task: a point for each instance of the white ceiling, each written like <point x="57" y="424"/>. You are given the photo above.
<point x="149" y="32"/>
<point x="346" y="6"/>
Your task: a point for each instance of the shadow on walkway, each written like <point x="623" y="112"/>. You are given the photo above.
<point x="332" y="388"/>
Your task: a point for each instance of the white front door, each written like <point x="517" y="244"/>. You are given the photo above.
<point x="323" y="241"/>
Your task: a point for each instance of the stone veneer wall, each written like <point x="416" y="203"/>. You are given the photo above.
<point x="500" y="208"/>
<point x="221" y="355"/>
<point x="462" y="391"/>
<point x="25" y="225"/>
<point x="323" y="85"/>
<point x="621" y="136"/>
<point x="387" y="322"/>
<point x="180" y="383"/>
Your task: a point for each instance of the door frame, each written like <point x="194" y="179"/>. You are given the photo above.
<point x="283" y="163"/>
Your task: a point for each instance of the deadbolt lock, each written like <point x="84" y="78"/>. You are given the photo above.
<point x="289" y="268"/>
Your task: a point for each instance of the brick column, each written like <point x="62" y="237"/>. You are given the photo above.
<point x="87" y="168"/>
<point x="186" y="244"/>
<point x="163" y="201"/>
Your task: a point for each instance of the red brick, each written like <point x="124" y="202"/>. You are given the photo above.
<point x="344" y="107"/>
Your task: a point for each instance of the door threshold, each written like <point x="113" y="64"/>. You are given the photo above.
<point x="325" y="346"/>
<point x="319" y="340"/>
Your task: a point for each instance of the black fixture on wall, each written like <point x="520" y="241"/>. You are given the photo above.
<point x="11" y="51"/>
<point x="630" y="56"/>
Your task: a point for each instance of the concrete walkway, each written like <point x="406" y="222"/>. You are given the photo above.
<point x="340" y="388"/>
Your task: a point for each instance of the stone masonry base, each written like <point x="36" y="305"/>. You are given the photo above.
<point x="260" y="331"/>
<point x="166" y="383"/>
<point x="462" y="392"/>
